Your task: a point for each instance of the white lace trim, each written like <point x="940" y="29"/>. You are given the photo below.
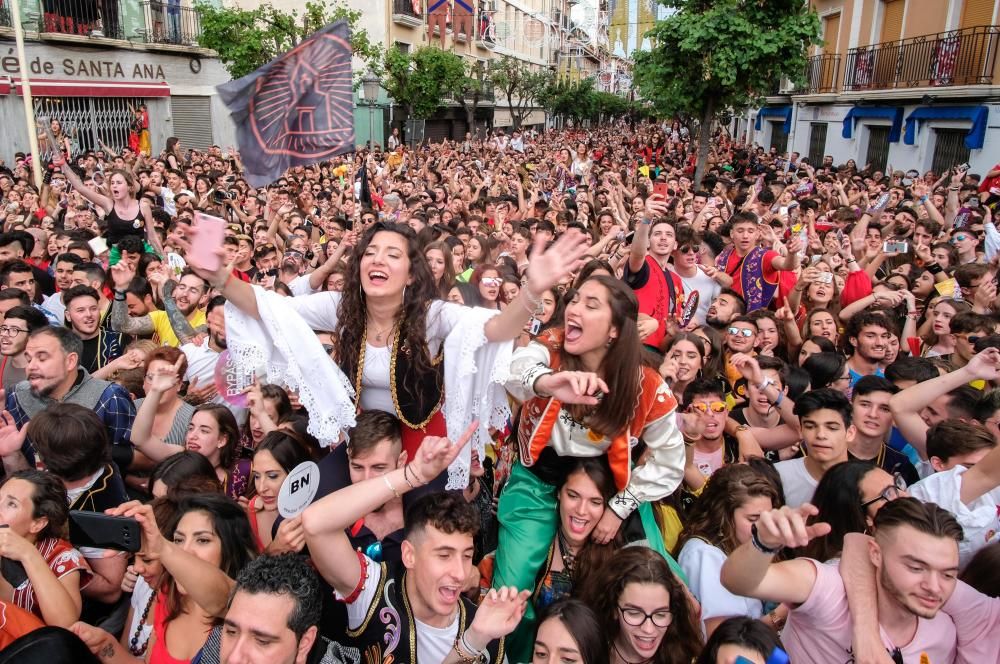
<point x="475" y="372"/>
<point x="290" y="354"/>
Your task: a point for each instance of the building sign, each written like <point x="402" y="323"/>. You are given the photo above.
<point x="84" y="68"/>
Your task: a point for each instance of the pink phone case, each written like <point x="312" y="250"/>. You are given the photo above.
<point x="211" y="233"/>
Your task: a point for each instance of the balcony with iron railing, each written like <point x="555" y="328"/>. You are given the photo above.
<point x="407" y="12"/>
<point x="959" y="57"/>
<point x="164" y="22"/>
<point x="822" y="75"/>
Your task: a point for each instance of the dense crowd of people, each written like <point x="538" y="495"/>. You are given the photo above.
<point x="566" y="404"/>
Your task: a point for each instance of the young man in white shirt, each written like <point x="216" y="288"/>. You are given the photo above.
<point x="825" y="419"/>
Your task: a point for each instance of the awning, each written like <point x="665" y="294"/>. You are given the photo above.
<point x="776" y="112"/>
<point x="893" y="113"/>
<point x="977" y="115"/>
<point x="4" y="85"/>
<point x="62" y="88"/>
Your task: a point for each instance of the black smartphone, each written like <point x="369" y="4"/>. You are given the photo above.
<point x="102" y="531"/>
<point x="13" y="572"/>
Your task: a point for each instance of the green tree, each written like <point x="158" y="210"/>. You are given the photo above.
<point x="420" y="81"/>
<point x="520" y="86"/>
<point x="474" y="88"/>
<point x="247" y="39"/>
<point x="713" y="56"/>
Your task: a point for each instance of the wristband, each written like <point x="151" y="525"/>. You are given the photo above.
<point x="760" y="546"/>
<point x="923" y="199"/>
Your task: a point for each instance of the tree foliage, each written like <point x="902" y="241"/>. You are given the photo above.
<point x="422" y="80"/>
<point x="711" y="56"/>
<point x="519" y="85"/>
<point x="580" y="101"/>
<point x="247" y="39"/>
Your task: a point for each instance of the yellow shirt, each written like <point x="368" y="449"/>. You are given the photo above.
<point x="164" y="333"/>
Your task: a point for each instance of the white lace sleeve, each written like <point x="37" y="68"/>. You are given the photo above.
<point x="283" y="344"/>
<point x="475" y="371"/>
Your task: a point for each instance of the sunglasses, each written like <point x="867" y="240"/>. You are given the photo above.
<point x="688" y="249"/>
<point x="491" y="281"/>
<point x="961" y="237"/>
<point x="715" y="407"/>
<point x="741" y="332"/>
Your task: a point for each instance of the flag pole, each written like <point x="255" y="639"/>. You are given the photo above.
<point x="29" y="114"/>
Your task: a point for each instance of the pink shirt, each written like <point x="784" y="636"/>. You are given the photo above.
<point x="819" y="630"/>
<point x="977" y="619"/>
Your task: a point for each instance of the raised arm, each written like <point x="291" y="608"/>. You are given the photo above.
<point x="655" y="206"/>
<point x="121" y="276"/>
<point x="325" y="521"/>
<point x="178" y="321"/>
<point x="103" y="202"/>
<point x="142" y="428"/>
<point x="750" y="570"/>
<point x="906" y="405"/>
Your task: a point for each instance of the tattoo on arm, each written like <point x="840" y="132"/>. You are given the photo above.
<point x="134" y="325"/>
<point x="178" y="321"/>
<point x="107" y="652"/>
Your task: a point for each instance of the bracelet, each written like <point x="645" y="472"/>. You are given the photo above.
<point x="385" y="478"/>
<point x="468" y="648"/>
<point x="923" y="199"/>
<point x="760" y="546"/>
<point x="416" y="476"/>
<point x="462" y="655"/>
<point x="781" y="397"/>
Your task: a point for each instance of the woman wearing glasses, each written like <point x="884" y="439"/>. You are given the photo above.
<point x="586" y="393"/>
<point x="644" y="611"/>
<point x="848" y="498"/>
<point x="719" y="522"/>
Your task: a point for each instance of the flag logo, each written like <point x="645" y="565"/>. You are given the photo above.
<point x="297" y="109"/>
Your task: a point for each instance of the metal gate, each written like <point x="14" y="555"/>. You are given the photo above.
<point x="779" y="137"/>
<point x="192" y="121"/>
<point x="817" y="143"/>
<point x="949" y="149"/>
<point x="878" y="147"/>
<point x="87" y="120"/>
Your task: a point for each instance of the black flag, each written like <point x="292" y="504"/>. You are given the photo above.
<point x="297" y="109"/>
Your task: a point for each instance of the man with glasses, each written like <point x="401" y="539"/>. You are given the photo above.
<point x="713" y="449"/>
<point x="872" y="420"/>
<point x="825" y="422"/>
<point x="967" y="328"/>
<point x="705" y="280"/>
<point x="741" y="337"/>
<point x="19" y="322"/>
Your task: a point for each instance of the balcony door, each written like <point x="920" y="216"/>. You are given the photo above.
<point x="887" y="57"/>
<point x="972" y="52"/>
<point x="831" y="38"/>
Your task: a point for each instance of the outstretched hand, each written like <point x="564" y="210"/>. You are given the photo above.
<point x="787" y="527"/>
<point x="437" y="452"/>
<point x="548" y="267"/>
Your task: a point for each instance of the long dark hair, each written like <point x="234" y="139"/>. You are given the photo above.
<point x="352" y="315"/>
<point x="682" y="641"/>
<point x="287" y="448"/>
<point x="231" y="525"/>
<point x="228" y="427"/>
<point x="838" y="499"/>
<point x="583" y="625"/>
<point x="621" y="368"/>
<point x="592" y="556"/>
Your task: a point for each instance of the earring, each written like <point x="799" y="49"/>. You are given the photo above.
<point x="404" y="294"/>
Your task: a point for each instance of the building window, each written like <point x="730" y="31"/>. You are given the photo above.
<point x="817" y="142"/>
<point x="878" y="147"/>
<point x="949" y="149"/>
<point x="779" y="137"/>
<point x="87" y="120"/>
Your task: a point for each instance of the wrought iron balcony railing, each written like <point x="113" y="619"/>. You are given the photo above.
<point x="958" y="57"/>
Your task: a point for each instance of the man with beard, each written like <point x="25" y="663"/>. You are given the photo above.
<point x="202" y="356"/>
<point x="726" y="306"/>
<point x="103" y="350"/>
<point x="915" y="555"/>
<point x="64" y="264"/>
<point x="55" y="376"/>
<point x="868" y="336"/>
<point x="19" y="322"/>
<point x="182" y="319"/>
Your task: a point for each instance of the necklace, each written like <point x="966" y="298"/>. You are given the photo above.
<point x="614" y="644"/>
<point x="381" y="333"/>
<point x="133" y="646"/>
<point x="567" y="555"/>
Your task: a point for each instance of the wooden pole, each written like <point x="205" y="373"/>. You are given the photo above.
<point x="29" y="113"/>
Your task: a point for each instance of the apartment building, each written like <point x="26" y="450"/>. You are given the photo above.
<point x="89" y="61"/>
<point x="906" y="83"/>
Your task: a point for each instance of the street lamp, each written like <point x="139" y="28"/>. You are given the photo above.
<point x="369" y="93"/>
